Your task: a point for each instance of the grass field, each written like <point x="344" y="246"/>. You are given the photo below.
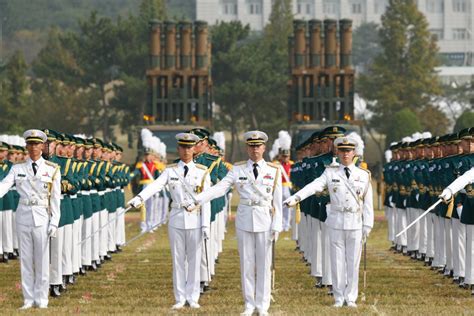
<point x="139" y="281"/>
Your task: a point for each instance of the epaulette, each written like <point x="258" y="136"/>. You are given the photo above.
<point x="198" y="165"/>
<point x="271" y="164"/>
<point x="240" y="163"/>
<point x="50" y="163"/>
<point x="139" y="164"/>
<point x="210" y="157"/>
<point x="172" y="165"/>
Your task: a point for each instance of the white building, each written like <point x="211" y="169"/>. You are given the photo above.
<point x="451" y="20"/>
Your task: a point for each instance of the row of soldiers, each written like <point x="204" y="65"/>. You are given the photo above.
<point x="311" y="234"/>
<point x="419" y="168"/>
<point x="92" y="224"/>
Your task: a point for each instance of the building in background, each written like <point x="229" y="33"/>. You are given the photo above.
<point x="450" y="20"/>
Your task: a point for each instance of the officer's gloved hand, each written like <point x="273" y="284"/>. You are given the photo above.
<point x="446" y="195"/>
<point x="191" y="207"/>
<point x="135" y="202"/>
<point x="206" y="233"/>
<point x="366" y="231"/>
<point x="292" y="201"/>
<point x="52" y="230"/>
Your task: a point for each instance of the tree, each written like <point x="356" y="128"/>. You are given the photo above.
<point x="403" y="75"/>
<point x="465" y="120"/>
<point x="365" y="45"/>
<point x="404" y="122"/>
<point x="433" y="120"/>
<point x="14" y="109"/>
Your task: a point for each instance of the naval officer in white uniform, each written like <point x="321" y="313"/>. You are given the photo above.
<point x="186" y="230"/>
<point x="38" y="183"/>
<point x="258" y="220"/>
<point x="350" y="217"/>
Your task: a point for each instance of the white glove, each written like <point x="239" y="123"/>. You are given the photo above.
<point x="135" y="202"/>
<point x="191" y="207"/>
<point x="52" y="231"/>
<point x="446" y="195"/>
<point x="274" y="235"/>
<point x="205" y="233"/>
<point x="366" y="231"/>
<point x="292" y="201"/>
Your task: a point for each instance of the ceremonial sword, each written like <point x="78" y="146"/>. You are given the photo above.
<point x="420" y="217"/>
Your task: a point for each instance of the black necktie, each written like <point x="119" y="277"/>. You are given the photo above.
<point x="185" y="171"/>
<point x="34" y="165"/>
<point x="348" y="173"/>
<point x="255" y="170"/>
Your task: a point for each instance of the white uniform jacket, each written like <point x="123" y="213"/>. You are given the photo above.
<point x="196" y="180"/>
<point x="462" y="181"/>
<point x="351" y="204"/>
<point x="39" y="194"/>
<point x="260" y="205"/>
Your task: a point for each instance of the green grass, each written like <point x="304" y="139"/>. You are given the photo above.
<point x="139" y="281"/>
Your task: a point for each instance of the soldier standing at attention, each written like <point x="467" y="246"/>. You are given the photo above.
<point x="39" y="185"/>
<point x="186" y="230"/>
<point x="258" y="220"/>
<point x="349" y="218"/>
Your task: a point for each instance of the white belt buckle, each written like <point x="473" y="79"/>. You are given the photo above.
<point x="34" y="202"/>
<point x="347" y="209"/>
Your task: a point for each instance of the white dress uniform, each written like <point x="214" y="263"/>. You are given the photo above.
<point x="258" y="214"/>
<point x="351" y="208"/>
<point x="184" y="228"/>
<point x="38" y="207"/>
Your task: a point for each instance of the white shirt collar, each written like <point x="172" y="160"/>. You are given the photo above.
<point x="190" y="164"/>
<point x="260" y="163"/>
<point x="39" y="162"/>
<point x="351" y="167"/>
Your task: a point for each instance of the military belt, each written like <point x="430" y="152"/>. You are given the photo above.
<point x="345" y="209"/>
<point x="249" y="202"/>
<point x="34" y="202"/>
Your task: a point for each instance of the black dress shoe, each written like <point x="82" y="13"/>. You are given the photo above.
<point x="206" y="288"/>
<point x="12" y="256"/>
<point x="54" y="291"/>
<point x="217" y="261"/>
<point x="93" y="266"/>
<point x="16" y="252"/>
<point x="119" y="249"/>
<point x="63" y="286"/>
<point x="5" y="257"/>
<point x="82" y="270"/>
<point x="71" y="279"/>
<point x="319" y="283"/>
<point x="330" y="292"/>
<point x="98" y="263"/>
<point x="108" y="257"/>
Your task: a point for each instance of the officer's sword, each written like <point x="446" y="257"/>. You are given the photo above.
<point x="207" y="261"/>
<point x="273" y="270"/>
<point x="420" y="217"/>
<point x="140" y="235"/>
<point x="105" y="225"/>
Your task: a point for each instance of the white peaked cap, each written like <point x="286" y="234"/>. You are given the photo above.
<point x="416" y="136"/>
<point x="284" y="139"/>
<point x="388" y="155"/>
<point x="425" y="135"/>
<point x="219" y="137"/>
<point x="359" y="149"/>
<point x="82" y="136"/>
<point x="406" y="139"/>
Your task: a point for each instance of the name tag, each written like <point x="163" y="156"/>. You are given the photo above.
<point x="174" y="179"/>
<point x="336" y="180"/>
<point x="21" y="175"/>
<point x="242" y="178"/>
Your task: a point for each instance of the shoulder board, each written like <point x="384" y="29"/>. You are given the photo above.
<point x="172" y="165"/>
<point x="240" y="163"/>
<point x="50" y="163"/>
<point x="366" y="170"/>
<point x="198" y="165"/>
<point x="139" y="164"/>
<point x="211" y="157"/>
<point x="271" y="164"/>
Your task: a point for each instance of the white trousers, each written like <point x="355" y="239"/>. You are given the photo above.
<point x="221" y="228"/>
<point x="413" y="234"/>
<point x="440" y="242"/>
<point x="95" y="239"/>
<point x="294" y="225"/>
<point x="448" y="231"/>
<point x="469" y="277"/>
<point x="76" y="250"/>
<point x="34" y="260"/>
<point x="430" y="242"/>
<point x="401" y="215"/>
<point x="186" y="250"/>
<point x="7" y="230"/>
<point x="86" y="252"/>
<point x="56" y="267"/>
<point x="67" y="250"/>
<point x="345" y="258"/>
<point x="326" y="254"/>
<point x="120" y="233"/>
<point x="15" y="233"/>
<point x="103" y="233"/>
<point x="255" y="251"/>
<point x="286" y="210"/>
<point x="459" y="248"/>
<point x="390" y="224"/>
<point x="423" y="245"/>
<point x="112" y="231"/>
<point x="1" y="232"/>
<point x="317" y="248"/>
